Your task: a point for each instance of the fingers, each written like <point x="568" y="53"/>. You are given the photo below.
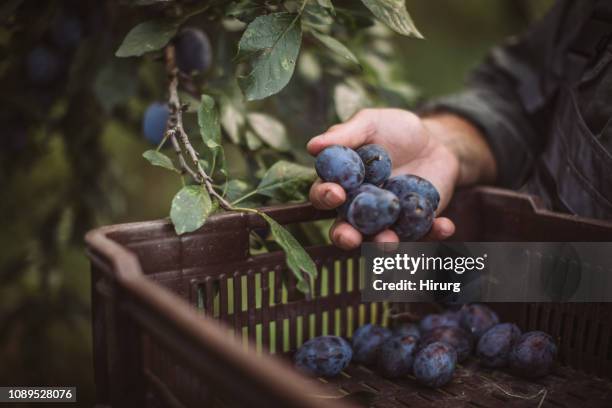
<point x="441" y="229"/>
<point x="344" y="236"/>
<point x="326" y="196"/>
<point x="358" y="131"/>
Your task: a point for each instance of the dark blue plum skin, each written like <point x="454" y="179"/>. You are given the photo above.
<point x="341" y="165"/>
<point x="350" y="196"/>
<point x="415" y="218"/>
<point x="477" y="318"/>
<point x="367" y="340"/>
<point x="435" y="364"/>
<point x="456" y="337"/>
<point x="409" y="183"/>
<point x="66" y="31"/>
<point x="154" y="122"/>
<point x="43" y="66"/>
<point x="324" y="356"/>
<point x="377" y="163"/>
<point x="407" y="329"/>
<point x="193" y="51"/>
<point x="533" y="355"/>
<point x="431" y="321"/>
<point x="494" y="345"/>
<point x="396" y="356"/>
<point x="373" y="211"/>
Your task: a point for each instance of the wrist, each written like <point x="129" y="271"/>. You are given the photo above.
<point x="466" y="145"/>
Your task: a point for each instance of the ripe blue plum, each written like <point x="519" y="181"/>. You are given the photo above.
<point x="409" y="183"/>
<point x="396" y="356"/>
<point x="373" y="211"/>
<point x="350" y="196"/>
<point x="66" y="31"/>
<point x="456" y="337"/>
<point x="435" y="364"/>
<point x="477" y="318"/>
<point x="339" y="164"/>
<point x="324" y="356"/>
<point x="495" y="344"/>
<point x="154" y="122"/>
<point x="431" y="321"/>
<point x="43" y="66"/>
<point x="367" y="340"/>
<point x="377" y="163"/>
<point x="407" y="329"/>
<point x="415" y="218"/>
<point x="533" y="355"/>
<point x="193" y="51"/>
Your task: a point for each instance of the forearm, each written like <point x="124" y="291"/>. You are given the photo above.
<point x="465" y="141"/>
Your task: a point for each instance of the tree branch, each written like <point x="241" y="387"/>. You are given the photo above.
<point x="177" y="131"/>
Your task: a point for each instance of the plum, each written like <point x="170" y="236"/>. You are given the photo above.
<point x="455" y="337"/>
<point x="43" y="65"/>
<point x="350" y="196"/>
<point x="193" y="51"/>
<point x="324" y="356"/>
<point x="495" y="344"/>
<point x="431" y="321"/>
<point x="377" y="163"/>
<point x="415" y="218"/>
<point x="477" y="318"/>
<point x="373" y="211"/>
<point x="434" y="364"/>
<point x="396" y="355"/>
<point x="367" y="340"/>
<point x="339" y="164"/>
<point x="407" y="329"/>
<point x="533" y="355"/>
<point x="154" y="122"/>
<point x="409" y="183"/>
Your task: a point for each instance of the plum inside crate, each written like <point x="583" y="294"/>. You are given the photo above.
<point x="198" y="321"/>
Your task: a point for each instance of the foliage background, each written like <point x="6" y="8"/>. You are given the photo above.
<point x="81" y="164"/>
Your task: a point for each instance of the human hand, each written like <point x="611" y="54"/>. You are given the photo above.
<point x="414" y="149"/>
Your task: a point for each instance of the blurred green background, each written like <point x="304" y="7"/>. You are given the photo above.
<point x="71" y="155"/>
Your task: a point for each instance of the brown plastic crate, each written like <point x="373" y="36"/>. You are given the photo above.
<point x="163" y="327"/>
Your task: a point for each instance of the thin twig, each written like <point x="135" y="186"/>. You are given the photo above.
<point x="178" y="132"/>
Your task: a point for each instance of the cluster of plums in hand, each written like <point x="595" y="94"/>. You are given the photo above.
<point x="374" y="201"/>
<point x="430" y="350"/>
<point x="194" y="55"/>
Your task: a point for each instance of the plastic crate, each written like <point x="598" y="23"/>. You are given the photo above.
<point x="165" y="333"/>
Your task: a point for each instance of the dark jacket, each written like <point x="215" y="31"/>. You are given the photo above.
<point x="544" y="102"/>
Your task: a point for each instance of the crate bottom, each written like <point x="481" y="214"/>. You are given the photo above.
<point x="472" y="386"/>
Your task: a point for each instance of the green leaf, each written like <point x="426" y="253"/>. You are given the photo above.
<point x="114" y="84"/>
<point x="270" y="130"/>
<point x="159" y="159"/>
<point x="232" y="120"/>
<point x="298" y="259"/>
<point x="394" y="14"/>
<point x="210" y="130"/>
<point x="271" y="43"/>
<point x="149" y="36"/>
<point x="349" y="98"/>
<point x="326" y="3"/>
<point x="286" y="181"/>
<point x="190" y="209"/>
<point x="337" y="47"/>
<point x="252" y="141"/>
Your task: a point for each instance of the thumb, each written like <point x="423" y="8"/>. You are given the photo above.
<point x="357" y="131"/>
